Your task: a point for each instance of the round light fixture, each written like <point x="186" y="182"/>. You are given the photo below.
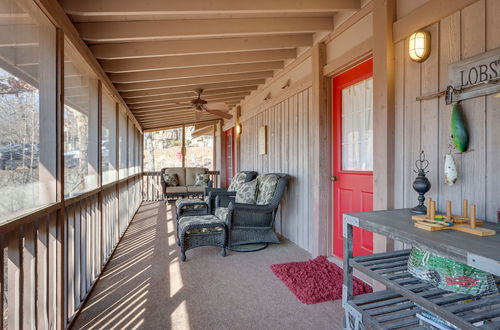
<point x="419" y="46"/>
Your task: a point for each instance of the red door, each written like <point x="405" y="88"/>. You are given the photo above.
<point x="229" y="156"/>
<point x="353" y="153"/>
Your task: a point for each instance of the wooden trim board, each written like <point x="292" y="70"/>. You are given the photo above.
<point x="425" y="15"/>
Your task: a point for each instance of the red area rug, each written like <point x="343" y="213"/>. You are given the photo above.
<point x="316" y="280"/>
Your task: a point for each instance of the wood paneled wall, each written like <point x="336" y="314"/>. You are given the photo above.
<point x="288" y="141"/>
<point x="425" y="125"/>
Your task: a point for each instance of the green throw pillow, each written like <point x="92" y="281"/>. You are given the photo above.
<point x="201" y="180"/>
<point x="247" y="192"/>
<point x="237" y="181"/>
<point x="171" y="180"/>
<point x="267" y="186"/>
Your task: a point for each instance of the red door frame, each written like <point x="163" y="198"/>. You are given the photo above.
<point x="353" y="76"/>
<point x="229" y="176"/>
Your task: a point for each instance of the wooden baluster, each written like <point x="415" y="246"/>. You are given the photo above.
<point x="473" y="216"/>
<point x="448" y="209"/>
<point x="465" y="206"/>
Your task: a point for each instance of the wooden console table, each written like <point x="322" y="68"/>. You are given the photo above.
<point x="405" y="296"/>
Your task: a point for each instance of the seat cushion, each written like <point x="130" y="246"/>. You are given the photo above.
<point x="189" y="203"/>
<point x="195" y="189"/>
<point x="247" y="193"/>
<point x="237" y="181"/>
<point x="205" y="223"/>
<point x="176" y="190"/>
<point x="266" y="187"/>
<point x="181" y="174"/>
<point x="191" y="174"/>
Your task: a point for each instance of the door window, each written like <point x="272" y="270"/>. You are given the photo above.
<point x="357" y="126"/>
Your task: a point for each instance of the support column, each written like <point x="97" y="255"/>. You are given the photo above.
<point x="237" y="150"/>
<point x="384" y="14"/>
<point x="320" y="160"/>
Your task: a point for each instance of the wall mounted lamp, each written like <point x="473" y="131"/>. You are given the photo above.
<point x="238" y="129"/>
<point x="419" y="46"/>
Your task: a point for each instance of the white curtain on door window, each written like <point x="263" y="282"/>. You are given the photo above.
<point x="357" y="126"/>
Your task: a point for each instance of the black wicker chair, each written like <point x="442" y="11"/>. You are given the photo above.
<point x="212" y="193"/>
<point x="250" y="226"/>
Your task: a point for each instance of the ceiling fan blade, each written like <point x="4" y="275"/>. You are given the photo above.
<point x="219" y="113"/>
<point x="216" y="106"/>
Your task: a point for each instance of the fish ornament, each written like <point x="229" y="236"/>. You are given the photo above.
<point x="450" y="170"/>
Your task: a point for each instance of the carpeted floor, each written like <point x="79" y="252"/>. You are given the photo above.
<point x="145" y="286"/>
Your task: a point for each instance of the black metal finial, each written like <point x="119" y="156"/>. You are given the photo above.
<point x="421" y="183"/>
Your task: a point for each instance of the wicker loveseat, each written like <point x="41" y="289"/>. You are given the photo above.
<point x="186" y="186"/>
<point x="251" y="226"/>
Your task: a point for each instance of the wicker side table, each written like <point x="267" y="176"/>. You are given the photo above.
<point x="201" y="230"/>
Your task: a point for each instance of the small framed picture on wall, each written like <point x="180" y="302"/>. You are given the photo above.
<point x="262" y="140"/>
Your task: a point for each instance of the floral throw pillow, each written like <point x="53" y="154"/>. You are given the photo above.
<point x="201" y="180"/>
<point x="171" y="180"/>
<point x="247" y="192"/>
<point x="237" y="181"/>
<point x="267" y="186"/>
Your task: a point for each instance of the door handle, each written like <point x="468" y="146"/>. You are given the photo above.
<point x="334" y="178"/>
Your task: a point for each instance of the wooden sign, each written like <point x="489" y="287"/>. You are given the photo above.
<point x="262" y="140"/>
<point x="476" y="76"/>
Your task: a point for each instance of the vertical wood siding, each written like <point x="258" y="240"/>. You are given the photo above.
<point x="425" y="125"/>
<point x="288" y="140"/>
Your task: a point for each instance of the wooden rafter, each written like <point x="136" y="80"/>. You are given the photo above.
<point x="190" y="95"/>
<point x="215" y="98"/>
<point x="185" y="61"/>
<point x="200" y="46"/>
<point x="172" y="90"/>
<point x="192" y="81"/>
<point x="131" y="77"/>
<point x="99" y="32"/>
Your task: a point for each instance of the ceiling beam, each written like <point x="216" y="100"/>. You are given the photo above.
<point x="187" y="99"/>
<point x="96" y="8"/>
<point x="131" y="77"/>
<point x="170" y="116"/>
<point x="105" y="32"/>
<point x="191" y="94"/>
<point x="185" y="61"/>
<point x="199" y="46"/>
<point x="206" y="87"/>
<point x="145" y="110"/>
<point x="192" y="81"/>
<point x="171" y="107"/>
<point x="188" y="116"/>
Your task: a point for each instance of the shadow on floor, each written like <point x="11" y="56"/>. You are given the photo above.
<point x="145" y="286"/>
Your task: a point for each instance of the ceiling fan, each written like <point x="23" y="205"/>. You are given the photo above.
<point x="217" y="108"/>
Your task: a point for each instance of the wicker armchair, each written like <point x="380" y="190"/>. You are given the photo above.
<point x="250" y="226"/>
<point x="212" y="193"/>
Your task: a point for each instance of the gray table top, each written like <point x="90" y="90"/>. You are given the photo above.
<point x="482" y="252"/>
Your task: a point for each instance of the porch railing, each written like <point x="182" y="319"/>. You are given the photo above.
<point x="151" y="185"/>
<point x="53" y="257"/>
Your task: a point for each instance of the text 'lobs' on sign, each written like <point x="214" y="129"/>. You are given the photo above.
<point x="482" y="70"/>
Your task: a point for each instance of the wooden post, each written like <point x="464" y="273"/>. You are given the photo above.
<point x="320" y="161"/>
<point x="473" y="216"/>
<point x="384" y="15"/>
<point x="429" y="202"/>
<point x="448" y="209"/>
<point x="465" y="204"/>
<point x="432" y="207"/>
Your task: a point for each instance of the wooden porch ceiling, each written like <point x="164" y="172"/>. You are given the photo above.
<point x="158" y="52"/>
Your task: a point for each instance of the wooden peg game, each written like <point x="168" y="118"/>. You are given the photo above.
<point x="467" y="222"/>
